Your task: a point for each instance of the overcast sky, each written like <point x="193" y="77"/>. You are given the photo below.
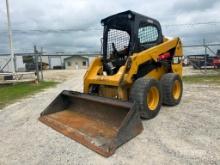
<point x="84" y="16"/>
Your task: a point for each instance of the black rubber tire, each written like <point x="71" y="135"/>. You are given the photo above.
<point x="167" y="83"/>
<point x="138" y="94"/>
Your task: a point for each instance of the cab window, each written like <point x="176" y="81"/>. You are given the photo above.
<point x="147" y="34"/>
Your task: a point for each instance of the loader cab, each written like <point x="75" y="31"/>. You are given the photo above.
<point x="127" y="33"/>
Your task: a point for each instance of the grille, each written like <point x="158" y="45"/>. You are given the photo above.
<point x="147" y="34"/>
<point x="119" y="38"/>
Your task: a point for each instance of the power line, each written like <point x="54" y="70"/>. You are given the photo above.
<point x="99" y="29"/>
<point x="193" y="24"/>
<point x="51" y="30"/>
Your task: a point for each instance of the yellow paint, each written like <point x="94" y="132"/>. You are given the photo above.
<point x="177" y="68"/>
<point x="157" y="73"/>
<point x="123" y="79"/>
<point x="153" y="98"/>
<point x="176" y="91"/>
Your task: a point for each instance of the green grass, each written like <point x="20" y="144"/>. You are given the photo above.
<point x="202" y="79"/>
<point x="11" y="93"/>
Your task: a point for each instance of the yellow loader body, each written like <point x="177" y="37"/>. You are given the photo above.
<point x="138" y="71"/>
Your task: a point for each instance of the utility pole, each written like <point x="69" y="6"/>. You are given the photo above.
<point x="204" y="43"/>
<point x="41" y="53"/>
<point x="36" y="62"/>
<point x="10" y="38"/>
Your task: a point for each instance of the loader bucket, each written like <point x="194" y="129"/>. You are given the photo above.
<point x="101" y="124"/>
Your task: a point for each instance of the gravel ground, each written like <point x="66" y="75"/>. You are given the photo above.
<point x="58" y="75"/>
<point x="188" y="70"/>
<point x="186" y="134"/>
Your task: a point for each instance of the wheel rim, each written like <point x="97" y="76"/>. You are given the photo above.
<point x="176" y="90"/>
<point x="153" y="98"/>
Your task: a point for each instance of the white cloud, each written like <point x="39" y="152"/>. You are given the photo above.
<point x="86" y="14"/>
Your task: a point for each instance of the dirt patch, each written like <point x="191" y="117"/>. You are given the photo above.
<point x="190" y="71"/>
<point x="58" y="75"/>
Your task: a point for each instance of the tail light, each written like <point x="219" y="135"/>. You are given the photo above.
<point x="164" y="56"/>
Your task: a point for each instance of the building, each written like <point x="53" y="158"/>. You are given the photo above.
<point x="76" y="62"/>
<point x="50" y="61"/>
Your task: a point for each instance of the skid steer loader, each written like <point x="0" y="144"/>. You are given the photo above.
<point x="139" y="70"/>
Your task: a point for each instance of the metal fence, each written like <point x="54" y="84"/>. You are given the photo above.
<point x="21" y="76"/>
<point x="203" y="57"/>
<point x="189" y="50"/>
